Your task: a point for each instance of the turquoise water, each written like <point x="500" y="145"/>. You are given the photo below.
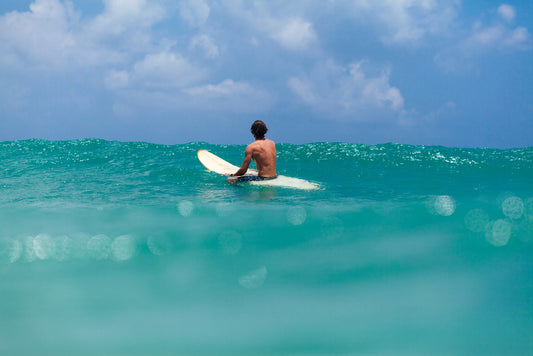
<point x="110" y="248"/>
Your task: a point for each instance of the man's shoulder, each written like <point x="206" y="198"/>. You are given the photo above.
<point x="261" y="144"/>
<point x="251" y="145"/>
<point x="264" y="142"/>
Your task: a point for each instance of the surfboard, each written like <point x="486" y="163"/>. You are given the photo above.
<point x="216" y="164"/>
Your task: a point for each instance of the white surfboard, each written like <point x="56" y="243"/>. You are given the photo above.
<point x="218" y="165"/>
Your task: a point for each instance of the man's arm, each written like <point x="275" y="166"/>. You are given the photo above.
<point x="246" y="163"/>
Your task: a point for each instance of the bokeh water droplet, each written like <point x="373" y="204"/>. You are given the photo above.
<point x="296" y="215"/>
<point x="63" y="248"/>
<point x="10" y="250"/>
<point x="513" y="207"/>
<point x="185" y="208"/>
<point x="15" y="252"/>
<point x="254" y="279"/>
<point x="29" y="251"/>
<point x="444" y="205"/>
<point x="44" y="246"/>
<point x="123" y="248"/>
<point x="499" y="232"/>
<point x="159" y="245"/>
<point x="99" y="247"/>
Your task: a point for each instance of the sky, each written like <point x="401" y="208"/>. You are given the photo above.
<point x="432" y="72"/>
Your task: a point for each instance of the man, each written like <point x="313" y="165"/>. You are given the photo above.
<point x="262" y="151"/>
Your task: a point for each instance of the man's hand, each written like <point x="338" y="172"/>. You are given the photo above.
<point x="232" y="179"/>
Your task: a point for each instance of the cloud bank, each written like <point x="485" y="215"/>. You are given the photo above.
<point x="343" y="61"/>
<point x="349" y="92"/>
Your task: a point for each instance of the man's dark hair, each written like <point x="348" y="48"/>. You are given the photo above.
<point x="259" y="129"/>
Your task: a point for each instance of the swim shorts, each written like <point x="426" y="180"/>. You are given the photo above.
<point x="253" y="178"/>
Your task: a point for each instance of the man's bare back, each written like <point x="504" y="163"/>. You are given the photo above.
<point x="262" y="151"/>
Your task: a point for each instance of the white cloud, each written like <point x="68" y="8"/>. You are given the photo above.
<point x="118" y="44"/>
<point x="519" y="39"/>
<point x="122" y="29"/>
<point x="117" y="79"/>
<point x="483" y="40"/>
<point x="166" y="70"/>
<point x="343" y="92"/>
<point x="226" y="96"/>
<point x="226" y="88"/>
<point x="507" y="12"/>
<point x="404" y="21"/>
<point x="229" y="96"/>
<point x="295" y="34"/>
<point x="120" y="16"/>
<point x="206" y="45"/>
<point x="303" y="89"/>
<point x="270" y="18"/>
<point x="195" y="12"/>
<point x="496" y="37"/>
<point x="52" y="35"/>
<point x="376" y="91"/>
<point x="163" y="72"/>
<point x="42" y="34"/>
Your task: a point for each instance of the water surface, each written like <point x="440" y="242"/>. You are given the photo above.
<point x="110" y="248"/>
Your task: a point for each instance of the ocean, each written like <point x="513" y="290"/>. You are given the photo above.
<point x="128" y="248"/>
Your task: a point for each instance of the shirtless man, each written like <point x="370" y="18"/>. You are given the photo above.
<point x="262" y="151"/>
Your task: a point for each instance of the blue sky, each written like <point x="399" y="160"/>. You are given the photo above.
<point x="453" y="73"/>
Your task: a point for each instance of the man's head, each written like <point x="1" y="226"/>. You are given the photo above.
<point x="259" y="129"/>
